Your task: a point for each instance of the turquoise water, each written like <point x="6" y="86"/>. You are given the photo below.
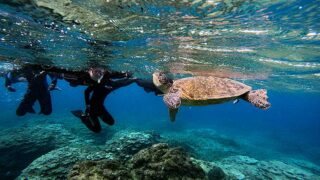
<point x="272" y="45"/>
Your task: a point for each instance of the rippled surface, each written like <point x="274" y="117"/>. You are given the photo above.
<point x="271" y="44"/>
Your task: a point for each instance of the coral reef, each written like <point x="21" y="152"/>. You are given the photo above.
<point x="211" y="169"/>
<point x="137" y="155"/>
<point x="203" y="143"/>
<point x="306" y="165"/>
<point x="61" y="161"/>
<point x="243" y="167"/>
<point x="123" y="145"/>
<point x="104" y="169"/>
<point x="156" y="162"/>
<point x="162" y="162"/>
<point x="20" y="146"/>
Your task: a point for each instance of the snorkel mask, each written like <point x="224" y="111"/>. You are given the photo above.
<point x="96" y="74"/>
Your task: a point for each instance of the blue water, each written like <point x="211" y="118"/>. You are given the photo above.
<point x="272" y="45"/>
<point x="290" y="127"/>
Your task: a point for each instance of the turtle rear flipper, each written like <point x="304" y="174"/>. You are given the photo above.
<point x="172" y="114"/>
<point x="258" y="98"/>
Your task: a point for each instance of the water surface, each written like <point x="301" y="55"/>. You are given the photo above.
<point x="265" y="44"/>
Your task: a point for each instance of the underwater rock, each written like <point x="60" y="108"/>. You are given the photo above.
<point x="216" y="173"/>
<point x="213" y="172"/>
<point x="125" y="144"/>
<point x="243" y="167"/>
<point x="306" y="165"/>
<point x="57" y="163"/>
<point x="20" y="146"/>
<point x="104" y="169"/>
<point x="162" y="162"/>
<point x="203" y="144"/>
<point x="156" y="162"/>
<point x="122" y="146"/>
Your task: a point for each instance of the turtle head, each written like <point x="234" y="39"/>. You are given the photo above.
<point x="258" y="98"/>
<point x="161" y="81"/>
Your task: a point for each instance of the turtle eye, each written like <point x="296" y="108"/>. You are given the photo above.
<point x="161" y="74"/>
<point x="173" y="90"/>
<point x="163" y="79"/>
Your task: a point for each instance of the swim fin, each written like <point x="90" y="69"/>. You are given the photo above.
<point x="78" y="113"/>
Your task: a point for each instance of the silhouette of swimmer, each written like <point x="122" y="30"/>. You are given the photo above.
<point x="99" y="88"/>
<point x="38" y="89"/>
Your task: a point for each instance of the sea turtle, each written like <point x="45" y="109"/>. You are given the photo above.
<point x="204" y="90"/>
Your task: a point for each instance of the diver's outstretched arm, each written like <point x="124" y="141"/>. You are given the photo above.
<point x="117" y="74"/>
<point x="120" y="83"/>
<point x="148" y="86"/>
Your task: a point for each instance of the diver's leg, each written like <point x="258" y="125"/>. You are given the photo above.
<point x="45" y="102"/>
<point x="106" y="116"/>
<point x="92" y="123"/>
<point x="26" y="104"/>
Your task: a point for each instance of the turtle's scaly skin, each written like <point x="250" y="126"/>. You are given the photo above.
<point x="205" y="90"/>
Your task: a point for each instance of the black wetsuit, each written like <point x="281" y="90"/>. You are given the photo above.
<point x="37" y="90"/>
<point x="148" y="86"/>
<point x="95" y="103"/>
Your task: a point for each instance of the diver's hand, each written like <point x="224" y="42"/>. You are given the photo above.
<point x="11" y="89"/>
<point x="57" y="88"/>
<point x="54" y="87"/>
<point x="108" y="87"/>
<point x="51" y="87"/>
<point x="128" y="74"/>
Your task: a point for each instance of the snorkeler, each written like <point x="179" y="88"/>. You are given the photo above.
<point x="100" y="87"/>
<point x="38" y="89"/>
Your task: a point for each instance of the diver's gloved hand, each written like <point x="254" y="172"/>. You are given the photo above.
<point x="54" y="87"/>
<point x="11" y="89"/>
<point x="128" y="74"/>
<point x="51" y="87"/>
<point x="108" y="87"/>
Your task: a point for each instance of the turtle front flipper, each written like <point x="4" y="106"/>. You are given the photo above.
<point x="173" y="102"/>
<point x="258" y="98"/>
<point x="172" y="114"/>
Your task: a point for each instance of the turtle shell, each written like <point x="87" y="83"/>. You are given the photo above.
<point x="209" y="88"/>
